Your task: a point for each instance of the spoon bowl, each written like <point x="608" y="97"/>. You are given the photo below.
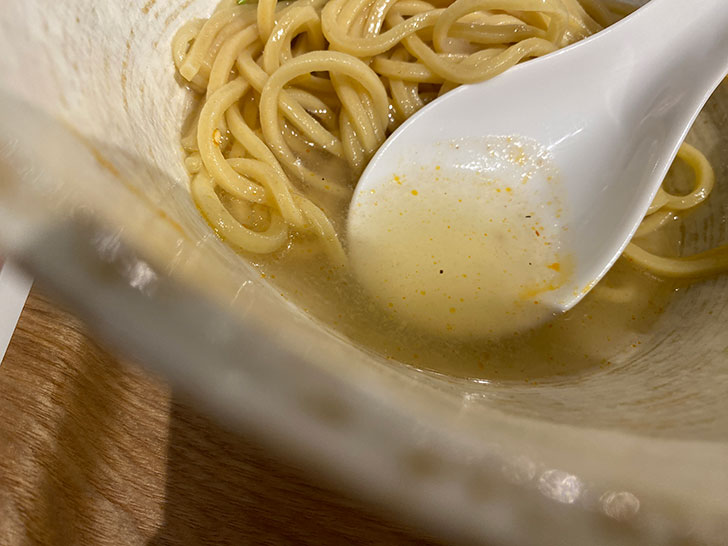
<point x="598" y="123"/>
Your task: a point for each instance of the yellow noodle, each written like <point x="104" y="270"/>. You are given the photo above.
<point x="654" y="221"/>
<point x="292" y="110"/>
<point x="203" y="192"/>
<point x="202" y="46"/>
<point x="314" y="61"/>
<point x="704" y="180"/>
<point x="289" y="24"/>
<point x="212" y="155"/>
<point x="225" y="59"/>
<point x="662" y="210"/>
<point x="699" y="265"/>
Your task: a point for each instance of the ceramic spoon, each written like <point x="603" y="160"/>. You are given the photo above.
<point x="581" y="139"/>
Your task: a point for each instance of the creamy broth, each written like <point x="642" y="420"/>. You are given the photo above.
<point x="615" y="316"/>
<point x="473" y="226"/>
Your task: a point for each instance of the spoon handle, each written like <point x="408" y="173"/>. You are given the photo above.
<point x="665" y="38"/>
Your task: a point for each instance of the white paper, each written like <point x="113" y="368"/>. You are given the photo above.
<point x="14" y="288"/>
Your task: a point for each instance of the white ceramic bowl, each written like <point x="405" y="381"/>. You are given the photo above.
<point x="633" y="454"/>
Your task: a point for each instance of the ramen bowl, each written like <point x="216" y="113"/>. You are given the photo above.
<point x="630" y="453"/>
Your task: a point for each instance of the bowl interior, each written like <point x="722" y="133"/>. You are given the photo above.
<point x="651" y="427"/>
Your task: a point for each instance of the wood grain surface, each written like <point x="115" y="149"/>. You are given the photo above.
<point x="97" y="451"/>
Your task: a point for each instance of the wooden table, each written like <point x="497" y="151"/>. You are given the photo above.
<point x="97" y="451"/>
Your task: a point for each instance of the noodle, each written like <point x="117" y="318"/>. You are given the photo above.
<point x="298" y="96"/>
<point x="663" y="209"/>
